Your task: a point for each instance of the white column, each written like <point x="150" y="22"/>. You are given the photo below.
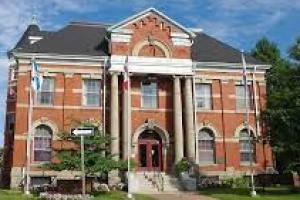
<point x="177" y="112"/>
<point x="189" y="119"/>
<point x="114" y="116"/>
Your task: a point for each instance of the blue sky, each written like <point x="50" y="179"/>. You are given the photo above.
<point x="239" y="23"/>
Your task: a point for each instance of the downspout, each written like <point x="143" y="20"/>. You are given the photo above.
<point x="223" y="126"/>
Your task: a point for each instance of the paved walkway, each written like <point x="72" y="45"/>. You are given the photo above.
<point x="180" y="196"/>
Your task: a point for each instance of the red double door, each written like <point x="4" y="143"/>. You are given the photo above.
<point x="150" y="155"/>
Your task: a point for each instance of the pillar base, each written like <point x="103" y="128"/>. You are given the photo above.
<point x="113" y="178"/>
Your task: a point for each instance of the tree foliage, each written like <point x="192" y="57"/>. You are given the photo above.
<point x="266" y="51"/>
<point x="98" y="160"/>
<point x="1" y="157"/>
<point x="294" y="51"/>
<point x="282" y="115"/>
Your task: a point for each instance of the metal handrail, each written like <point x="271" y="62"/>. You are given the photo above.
<point x="158" y="180"/>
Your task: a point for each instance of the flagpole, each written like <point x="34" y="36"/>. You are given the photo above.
<point x="28" y="139"/>
<point x="253" y="192"/>
<point x="127" y="87"/>
<point x="195" y="116"/>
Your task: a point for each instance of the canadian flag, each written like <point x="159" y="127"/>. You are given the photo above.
<point x="126" y="83"/>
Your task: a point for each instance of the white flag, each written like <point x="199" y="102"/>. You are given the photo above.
<point x="244" y="69"/>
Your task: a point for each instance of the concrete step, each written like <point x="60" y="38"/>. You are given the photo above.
<point x="147" y="186"/>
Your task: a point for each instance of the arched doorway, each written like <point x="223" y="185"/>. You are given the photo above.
<point x="150" y="151"/>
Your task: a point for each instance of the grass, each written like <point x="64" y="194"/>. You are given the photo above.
<point x="13" y="195"/>
<point x="244" y="194"/>
<point x="116" y="195"/>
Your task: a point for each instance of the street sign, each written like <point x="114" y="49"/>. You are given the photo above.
<point x="83" y="131"/>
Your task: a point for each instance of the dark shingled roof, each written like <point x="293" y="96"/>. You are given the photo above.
<point x="32" y="30"/>
<point x="208" y="49"/>
<point x="90" y="39"/>
<point x="74" y="39"/>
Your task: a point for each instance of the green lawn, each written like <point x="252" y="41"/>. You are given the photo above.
<point x="15" y="195"/>
<point x="244" y="194"/>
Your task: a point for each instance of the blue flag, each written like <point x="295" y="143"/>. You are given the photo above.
<point x="36" y="78"/>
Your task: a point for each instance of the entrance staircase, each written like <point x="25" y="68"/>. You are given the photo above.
<point x="157" y="182"/>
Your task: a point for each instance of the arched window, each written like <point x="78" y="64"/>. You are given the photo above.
<point x="246" y="148"/>
<point x="206" y="146"/>
<point x="42" y="143"/>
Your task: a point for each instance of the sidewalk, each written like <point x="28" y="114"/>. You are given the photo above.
<point x="181" y="196"/>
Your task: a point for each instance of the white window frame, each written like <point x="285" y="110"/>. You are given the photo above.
<point x="51" y="91"/>
<point x="245" y="140"/>
<point x="240" y="99"/>
<point x="212" y="151"/>
<point x="154" y="96"/>
<point x="84" y="93"/>
<point x="46" y="138"/>
<point x="207" y="98"/>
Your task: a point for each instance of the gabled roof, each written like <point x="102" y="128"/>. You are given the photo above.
<point x="145" y="13"/>
<point x="208" y="49"/>
<point x="89" y="39"/>
<point x="74" y="39"/>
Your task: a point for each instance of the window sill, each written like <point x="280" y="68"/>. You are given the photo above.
<point x="38" y="163"/>
<point x="207" y="165"/>
<point x="204" y="110"/>
<point x="243" y="111"/>
<point x="90" y="107"/>
<point x="247" y="164"/>
<point x="43" y="105"/>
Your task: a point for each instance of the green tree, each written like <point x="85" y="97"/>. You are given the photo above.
<point x="282" y="114"/>
<point x="1" y="157"/>
<point x="294" y="50"/>
<point x="96" y="162"/>
<point x="266" y="51"/>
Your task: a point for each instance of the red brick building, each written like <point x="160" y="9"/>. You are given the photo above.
<point x="186" y="96"/>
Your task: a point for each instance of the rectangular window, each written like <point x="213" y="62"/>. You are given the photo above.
<point x="149" y="95"/>
<point x="13" y="73"/>
<point x="46" y="95"/>
<point x="42" y="149"/>
<point x="10" y="120"/>
<point x="240" y="97"/>
<point x="206" y="152"/>
<point x="203" y="96"/>
<point x="246" y="151"/>
<point x="91" y="92"/>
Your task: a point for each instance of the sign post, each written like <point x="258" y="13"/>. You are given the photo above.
<point x="83" y="131"/>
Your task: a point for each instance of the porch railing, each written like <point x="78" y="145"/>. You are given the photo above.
<point x="158" y="180"/>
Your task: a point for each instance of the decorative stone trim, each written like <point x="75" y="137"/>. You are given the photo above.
<point x="241" y="127"/>
<point x="208" y="125"/>
<point x="47" y="122"/>
<point x="162" y="46"/>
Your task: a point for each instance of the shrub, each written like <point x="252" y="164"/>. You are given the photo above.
<point x="236" y="182"/>
<point x="182" y="166"/>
